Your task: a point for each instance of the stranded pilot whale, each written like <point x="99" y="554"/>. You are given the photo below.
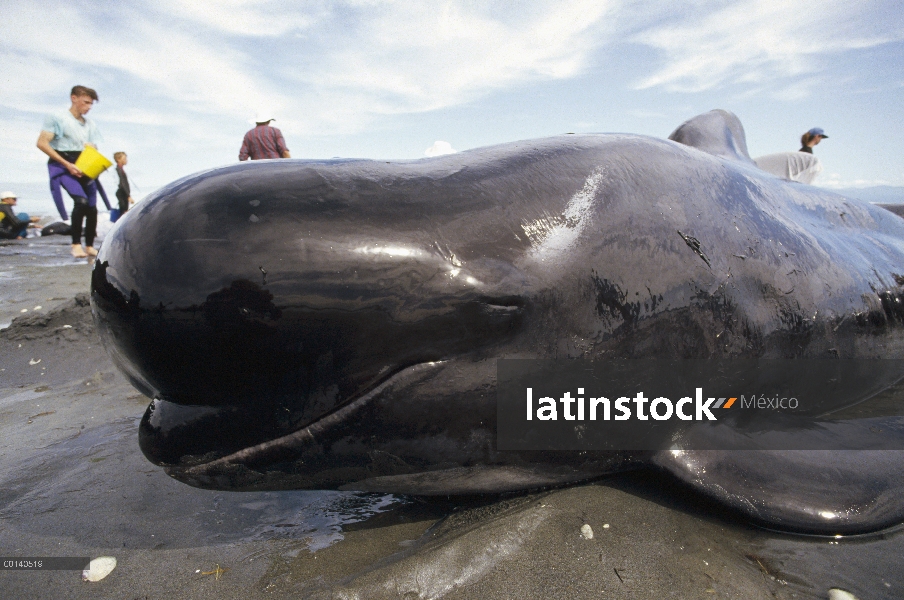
<point x="336" y="324"/>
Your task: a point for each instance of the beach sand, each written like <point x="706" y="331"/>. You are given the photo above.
<point x="73" y="482"/>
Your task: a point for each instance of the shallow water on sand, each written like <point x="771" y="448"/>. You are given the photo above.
<point x="72" y="484"/>
<point x="38" y="272"/>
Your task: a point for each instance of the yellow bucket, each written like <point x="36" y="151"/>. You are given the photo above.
<point x="92" y="163"/>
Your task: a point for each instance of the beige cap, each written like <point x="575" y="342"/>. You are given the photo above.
<point x="7" y="196"/>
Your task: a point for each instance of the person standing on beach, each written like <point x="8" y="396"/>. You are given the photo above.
<point x="13" y="226"/>
<point x="123" y="192"/>
<point x="63" y="137"/>
<point x="811" y="138"/>
<point x="263" y="141"/>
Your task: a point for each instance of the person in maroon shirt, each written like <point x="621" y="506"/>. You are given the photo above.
<point x="263" y="142"/>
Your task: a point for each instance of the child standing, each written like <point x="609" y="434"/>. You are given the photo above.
<point x="123" y="192"/>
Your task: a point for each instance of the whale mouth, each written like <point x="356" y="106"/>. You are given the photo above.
<point x="177" y="435"/>
<point x="298" y="459"/>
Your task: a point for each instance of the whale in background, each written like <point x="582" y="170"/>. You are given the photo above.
<point x="336" y="324"/>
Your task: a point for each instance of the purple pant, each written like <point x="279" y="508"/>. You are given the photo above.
<point x="60" y="178"/>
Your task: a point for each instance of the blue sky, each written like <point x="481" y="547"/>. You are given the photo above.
<point x="179" y="81"/>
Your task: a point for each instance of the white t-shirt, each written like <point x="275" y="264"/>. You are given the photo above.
<point x="70" y="134"/>
<point x="793" y="166"/>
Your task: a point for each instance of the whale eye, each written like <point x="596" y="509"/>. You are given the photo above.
<point x="502" y="309"/>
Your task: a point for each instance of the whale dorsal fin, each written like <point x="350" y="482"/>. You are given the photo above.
<point x="718" y="132"/>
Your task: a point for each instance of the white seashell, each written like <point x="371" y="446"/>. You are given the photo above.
<point x="99" y="568"/>
<point x="34" y="362"/>
<point x="839" y="594"/>
<point x="587" y="531"/>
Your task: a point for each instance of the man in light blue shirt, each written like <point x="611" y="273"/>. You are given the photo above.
<point x="63" y="137"/>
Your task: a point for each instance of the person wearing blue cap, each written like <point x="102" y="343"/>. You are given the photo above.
<point x="810" y="139"/>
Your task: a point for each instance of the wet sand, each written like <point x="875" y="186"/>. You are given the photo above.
<point x="73" y="482"/>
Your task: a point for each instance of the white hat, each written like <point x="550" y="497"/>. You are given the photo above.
<point x="7" y="195"/>
<point x="263" y="117"/>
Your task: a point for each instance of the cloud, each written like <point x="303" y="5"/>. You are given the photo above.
<point x="179" y="79"/>
<point x="432" y="55"/>
<point x="646" y="114"/>
<point x="257" y="18"/>
<point x="370" y="60"/>
<point x="203" y="75"/>
<point x="19" y="139"/>
<point x="836" y="180"/>
<point x="335" y="65"/>
<point x="759" y="43"/>
<point x="798" y="90"/>
<point x="439" y="148"/>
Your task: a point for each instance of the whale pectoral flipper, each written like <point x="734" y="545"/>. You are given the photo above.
<point x="812" y="491"/>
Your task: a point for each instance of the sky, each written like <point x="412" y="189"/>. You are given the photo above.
<point x="181" y="81"/>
